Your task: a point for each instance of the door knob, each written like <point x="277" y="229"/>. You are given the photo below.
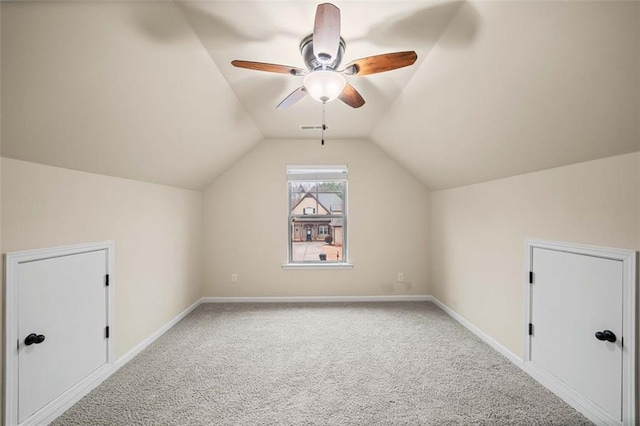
<point x="606" y="335"/>
<point x="34" y="338"/>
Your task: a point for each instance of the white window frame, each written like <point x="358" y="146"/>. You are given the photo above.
<point x="324" y="173"/>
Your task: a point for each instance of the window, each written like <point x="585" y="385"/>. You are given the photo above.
<point x="317" y="223"/>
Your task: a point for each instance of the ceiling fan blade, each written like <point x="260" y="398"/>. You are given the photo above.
<point x="380" y="63"/>
<point x="326" y="33"/>
<point x="351" y="97"/>
<point x="262" y="66"/>
<point x="293" y="97"/>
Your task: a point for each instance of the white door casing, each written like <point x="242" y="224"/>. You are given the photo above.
<point x="577" y="296"/>
<point x="576" y="291"/>
<point x="62" y="294"/>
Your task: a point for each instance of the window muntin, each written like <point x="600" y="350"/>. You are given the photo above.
<point x="317" y="214"/>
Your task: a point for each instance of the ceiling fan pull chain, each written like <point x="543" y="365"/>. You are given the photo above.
<point x="324" y="125"/>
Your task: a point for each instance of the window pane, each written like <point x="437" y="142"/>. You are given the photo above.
<point x="314" y="236"/>
<point x="316" y="197"/>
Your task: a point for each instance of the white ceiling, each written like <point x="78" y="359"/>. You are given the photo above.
<point x="543" y="84"/>
<point x="271" y="32"/>
<point x="145" y="90"/>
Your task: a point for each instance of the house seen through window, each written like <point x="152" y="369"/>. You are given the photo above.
<point x="317" y="214"/>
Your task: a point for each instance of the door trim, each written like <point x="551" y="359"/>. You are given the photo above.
<point x="629" y="278"/>
<point x="56" y="407"/>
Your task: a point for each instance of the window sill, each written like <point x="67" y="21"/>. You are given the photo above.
<point x="318" y="265"/>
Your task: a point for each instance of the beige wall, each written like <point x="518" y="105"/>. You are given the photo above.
<point x="478" y="233"/>
<point x="245" y="220"/>
<point x="157" y="232"/>
<point x="513" y="87"/>
<point x="120" y="88"/>
<point x="2" y="279"/>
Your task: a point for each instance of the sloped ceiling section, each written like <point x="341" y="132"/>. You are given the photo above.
<point x="89" y="86"/>
<point x="145" y="90"/>
<point x="267" y="31"/>
<point x="541" y="85"/>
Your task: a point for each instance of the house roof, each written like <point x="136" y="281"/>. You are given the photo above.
<point x="329" y="201"/>
<point x="145" y="90"/>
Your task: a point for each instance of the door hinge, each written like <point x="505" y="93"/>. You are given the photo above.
<point x="530" y="329"/>
<point x="530" y="277"/>
<point x="106" y="280"/>
<point x="106" y="332"/>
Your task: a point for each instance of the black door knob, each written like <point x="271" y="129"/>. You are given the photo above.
<point x="606" y="335"/>
<point x="34" y="338"/>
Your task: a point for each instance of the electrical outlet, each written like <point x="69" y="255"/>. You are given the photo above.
<point x="400" y="277"/>
<point x="234" y="278"/>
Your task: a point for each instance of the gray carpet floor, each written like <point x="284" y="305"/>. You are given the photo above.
<point x="325" y="364"/>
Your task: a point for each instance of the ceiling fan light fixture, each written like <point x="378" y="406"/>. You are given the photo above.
<point x="324" y="86"/>
<point x="322" y="52"/>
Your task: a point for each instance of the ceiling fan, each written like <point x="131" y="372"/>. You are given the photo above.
<point x="322" y="53"/>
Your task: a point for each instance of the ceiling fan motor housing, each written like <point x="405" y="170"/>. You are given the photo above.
<point x="310" y="60"/>
<point x="322" y="53"/>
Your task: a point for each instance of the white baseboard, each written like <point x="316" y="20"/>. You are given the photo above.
<point x="318" y="299"/>
<point x="570" y="396"/>
<point x="50" y="412"/>
<point x="481" y="334"/>
<point x="149" y="340"/>
<point x="94" y="381"/>
<point x="55" y="408"/>
<point x="588" y="409"/>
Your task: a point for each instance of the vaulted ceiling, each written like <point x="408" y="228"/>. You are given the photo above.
<point x="145" y="90"/>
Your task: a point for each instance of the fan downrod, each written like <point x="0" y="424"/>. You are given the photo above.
<point x="313" y="63"/>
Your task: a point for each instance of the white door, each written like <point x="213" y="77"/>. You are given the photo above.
<point x="63" y="299"/>
<point x="573" y="297"/>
